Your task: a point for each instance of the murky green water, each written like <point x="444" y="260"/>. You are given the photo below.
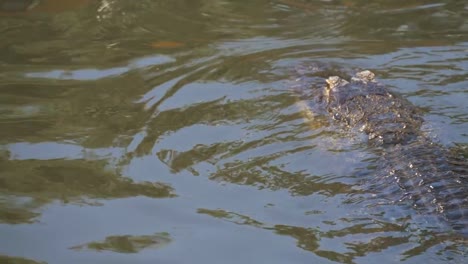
<point x="167" y="131"/>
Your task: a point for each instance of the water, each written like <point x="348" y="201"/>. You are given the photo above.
<point x="167" y="131"/>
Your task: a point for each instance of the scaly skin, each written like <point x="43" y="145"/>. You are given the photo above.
<point x="368" y="105"/>
<point x="408" y="159"/>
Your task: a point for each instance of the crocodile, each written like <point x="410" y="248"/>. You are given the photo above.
<point x="411" y="166"/>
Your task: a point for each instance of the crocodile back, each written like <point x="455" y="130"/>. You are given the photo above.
<point x="411" y="168"/>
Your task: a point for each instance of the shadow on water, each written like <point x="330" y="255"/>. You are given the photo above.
<point x="107" y="106"/>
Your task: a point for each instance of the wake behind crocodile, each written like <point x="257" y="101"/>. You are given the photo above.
<point x="411" y="168"/>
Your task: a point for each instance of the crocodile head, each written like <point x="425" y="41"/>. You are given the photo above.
<point x="340" y="90"/>
<point x="368" y="105"/>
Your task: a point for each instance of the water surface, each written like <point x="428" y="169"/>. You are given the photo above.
<point x="159" y="131"/>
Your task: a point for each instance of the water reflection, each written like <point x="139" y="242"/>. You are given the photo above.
<point x="18" y="260"/>
<point x="127" y="243"/>
<point x="358" y="238"/>
<point x="26" y="185"/>
<point x="96" y="74"/>
<point x="23" y="7"/>
<point x="105" y="101"/>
